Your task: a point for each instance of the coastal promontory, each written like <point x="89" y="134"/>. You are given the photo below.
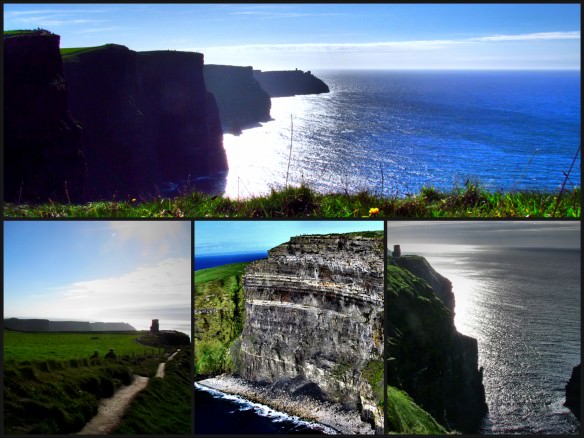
<point x="290" y="82"/>
<point x="429" y="360"/>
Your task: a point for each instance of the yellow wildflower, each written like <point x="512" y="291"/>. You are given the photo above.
<point x="373" y="211"/>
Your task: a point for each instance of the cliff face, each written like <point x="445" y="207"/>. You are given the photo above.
<point x="290" y="83"/>
<point x="43" y="155"/>
<point x="242" y="102"/>
<point x="428" y="358"/>
<point x="314" y="320"/>
<point x="147" y="117"/>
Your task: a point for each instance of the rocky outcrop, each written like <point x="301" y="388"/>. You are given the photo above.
<point x="43" y="153"/>
<point x="573" y="396"/>
<point x="148" y="120"/>
<point x="428" y="358"/>
<point x="44" y="325"/>
<point x="242" y="102"/>
<point x="290" y="82"/>
<point x="314" y="321"/>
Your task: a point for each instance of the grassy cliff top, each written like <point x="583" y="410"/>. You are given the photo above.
<point x="74" y="51"/>
<point x="21" y="32"/>
<point x="219" y="272"/>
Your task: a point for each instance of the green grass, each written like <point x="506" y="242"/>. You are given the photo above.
<point x="74" y="51"/>
<point x="470" y="201"/>
<point x="24" y="32"/>
<point x="373" y="373"/>
<point x="219" y="316"/>
<point x="60" y="397"/>
<point x="219" y="273"/>
<point x="20" y="346"/>
<point x="406" y="417"/>
<point x="52" y="386"/>
<point x="164" y="407"/>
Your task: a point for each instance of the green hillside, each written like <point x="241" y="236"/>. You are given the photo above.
<point x="219" y="316"/>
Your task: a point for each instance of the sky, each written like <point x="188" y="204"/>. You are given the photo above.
<point x="234" y="237"/>
<point x="326" y="36"/>
<point x="99" y="271"/>
<point x="447" y="236"/>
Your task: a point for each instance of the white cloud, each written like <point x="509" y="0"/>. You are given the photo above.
<point x="575" y="35"/>
<point x="154" y="237"/>
<point x="409" y="45"/>
<point x="151" y="289"/>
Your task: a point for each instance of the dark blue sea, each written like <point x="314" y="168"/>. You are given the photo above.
<point x="393" y="132"/>
<point x="219" y="413"/>
<point x="210" y="261"/>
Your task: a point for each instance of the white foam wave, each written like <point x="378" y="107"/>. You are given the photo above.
<point x="266" y="411"/>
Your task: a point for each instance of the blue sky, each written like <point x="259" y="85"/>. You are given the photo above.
<point x="233" y="237"/>
<point x="98" y="271"/>
<point x="323" y="36"/>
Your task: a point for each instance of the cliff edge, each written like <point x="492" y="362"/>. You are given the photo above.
<point x="428" y="359"/>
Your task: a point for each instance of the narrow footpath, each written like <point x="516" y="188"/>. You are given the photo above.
<point x="111" y="410"/>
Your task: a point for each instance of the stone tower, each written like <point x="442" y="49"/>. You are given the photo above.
<point x="154" y="327"/>
<point x="396" y="251"/>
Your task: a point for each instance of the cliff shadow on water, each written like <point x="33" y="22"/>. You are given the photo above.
<point x="305" y="322"/>
<point x="431" y="367"/>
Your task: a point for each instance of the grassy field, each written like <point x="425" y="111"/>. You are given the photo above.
<point x="219" y="316"/>
<point x="51" y="385"/>
<point x="469" y="201"/>
<point x="20" y="346"/>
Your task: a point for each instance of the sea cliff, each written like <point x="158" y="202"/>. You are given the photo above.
<point x="314" y="321"/>
<point x="242" y="102"/>
<point x="428" y="359"/>
<point x="43" y="153"/>
<point x="147" y="117"/>
<point x="312" y="327"/>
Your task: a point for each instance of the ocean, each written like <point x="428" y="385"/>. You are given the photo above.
<point x="393" y="132"/>
<point x="220" y="413"/>
<point x="523" y="307"/>
<point x="210" y="261"/>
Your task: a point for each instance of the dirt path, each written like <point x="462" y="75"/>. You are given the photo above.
<point x="111" y="409"/>
<point x="162" y="366"/>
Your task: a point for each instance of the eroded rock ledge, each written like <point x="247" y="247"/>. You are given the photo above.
<point x="314" y="321"/>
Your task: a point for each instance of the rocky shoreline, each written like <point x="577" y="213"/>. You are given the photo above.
<point x="327" y="413"/>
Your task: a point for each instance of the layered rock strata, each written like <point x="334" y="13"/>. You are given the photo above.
<point x="43" y="154"/>
<point x="436" y="365"/>
<point x="149" y="121"/>
<point x="242" y="102"/>
<point x="290" y="82"/>
<point x="314" y="322"/>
